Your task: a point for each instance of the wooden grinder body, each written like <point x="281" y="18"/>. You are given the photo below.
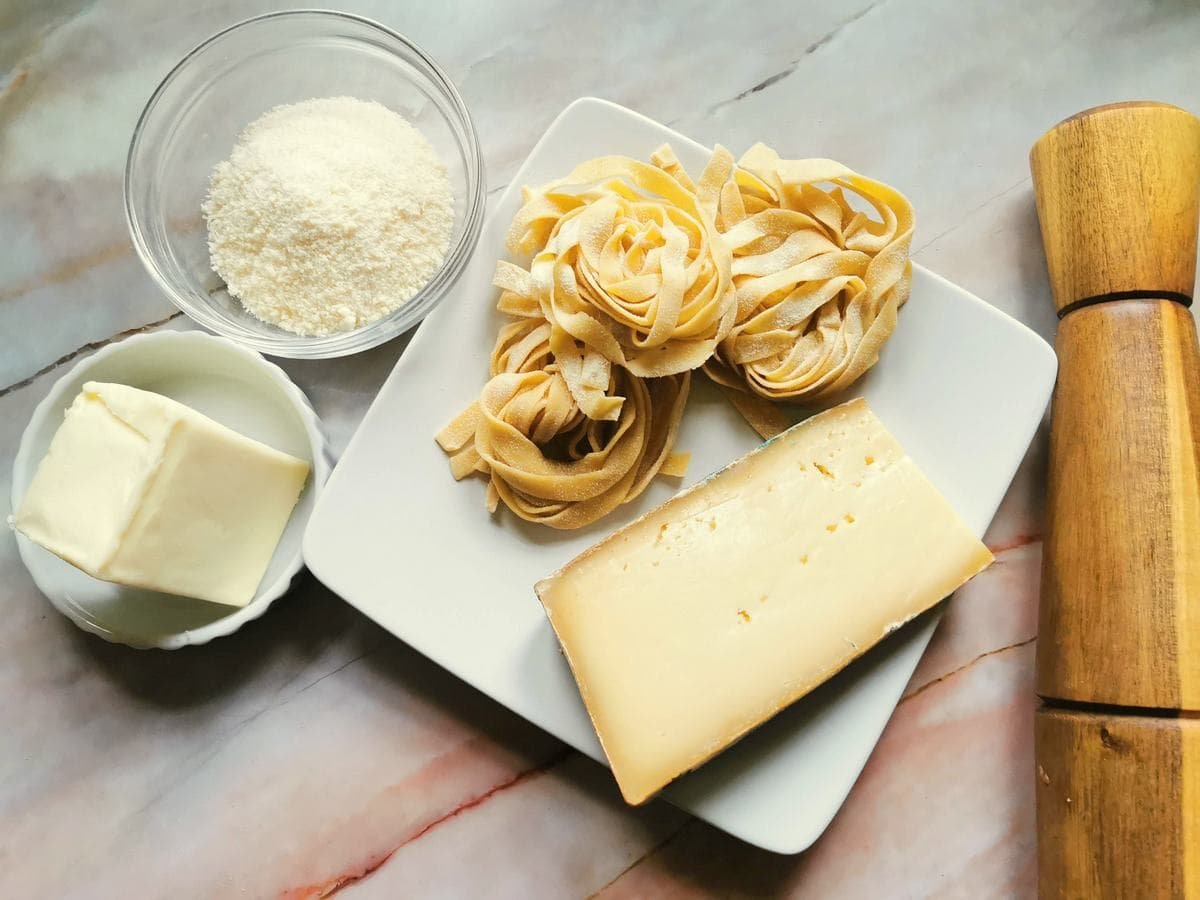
<point x="1118" y="736"/>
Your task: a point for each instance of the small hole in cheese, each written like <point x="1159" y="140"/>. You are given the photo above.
<point x="743" y="615"/>
<point x="831" y="527"/>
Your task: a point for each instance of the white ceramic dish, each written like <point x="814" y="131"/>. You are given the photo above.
<point x="962" y="386"/>
<point x="231" y="384"/>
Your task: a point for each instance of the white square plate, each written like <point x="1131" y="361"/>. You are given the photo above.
<point x="962" y="385"/>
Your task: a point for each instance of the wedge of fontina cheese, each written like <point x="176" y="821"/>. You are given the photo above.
<point x="710" y="614"/>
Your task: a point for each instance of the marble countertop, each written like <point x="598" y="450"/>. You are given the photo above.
<point x="311" y="753"/>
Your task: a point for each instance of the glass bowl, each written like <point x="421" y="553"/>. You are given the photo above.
<point x="194" y="117"/>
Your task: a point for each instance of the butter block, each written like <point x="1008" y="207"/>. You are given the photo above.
<point x="710" y="614"/>
<point x="141" y="490"/>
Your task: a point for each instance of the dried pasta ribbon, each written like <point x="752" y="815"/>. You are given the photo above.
<point x="457" y="439"/>
<point x="587" y="372"/>
<point x="766" y="418"/>
<point x="819" y="283"/>
<point x="628" y="268"/>
<point x="522" y="346"/>
<point x="664" y="158"/>
<point x="547" y="461"/>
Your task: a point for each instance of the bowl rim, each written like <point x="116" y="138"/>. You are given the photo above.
<point x="390" y="326"/>
<point x="267" y="592"/>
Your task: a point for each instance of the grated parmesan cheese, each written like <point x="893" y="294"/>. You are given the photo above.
<point x="328" y="215"/>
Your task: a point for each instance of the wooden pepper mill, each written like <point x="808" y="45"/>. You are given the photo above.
<point x="1118" y="662"/>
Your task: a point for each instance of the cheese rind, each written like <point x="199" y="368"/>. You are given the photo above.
<point x="141" y="490"/>
<point x="708" y="615"/>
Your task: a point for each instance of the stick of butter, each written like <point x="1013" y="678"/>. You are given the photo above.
<point x="141" y="490"/>
<point x="707" y="616"/>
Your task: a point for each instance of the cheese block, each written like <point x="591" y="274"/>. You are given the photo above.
<point x="707" y="616"/>
<point x="141" y="490"/>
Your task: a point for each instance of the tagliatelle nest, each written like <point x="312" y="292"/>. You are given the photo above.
<point x="546" y="460"/>
<point x="819" y="283"/>
<point x="764" y="274"/>
<point x="628" y="269"/>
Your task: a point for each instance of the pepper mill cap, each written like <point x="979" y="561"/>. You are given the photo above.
<point x="1118" y="197"/>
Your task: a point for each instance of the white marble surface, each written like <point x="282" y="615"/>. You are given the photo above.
<point x="312" y="753"/>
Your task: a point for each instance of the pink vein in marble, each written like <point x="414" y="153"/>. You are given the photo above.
<point x="415" y="806"/>
<point x="562" y="832"/>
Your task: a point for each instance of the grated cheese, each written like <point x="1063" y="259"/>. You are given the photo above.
<point x="328" y="215"/>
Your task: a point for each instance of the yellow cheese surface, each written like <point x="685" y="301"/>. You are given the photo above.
<point x="707" y="616"/>
<point x="139" y="489"/>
